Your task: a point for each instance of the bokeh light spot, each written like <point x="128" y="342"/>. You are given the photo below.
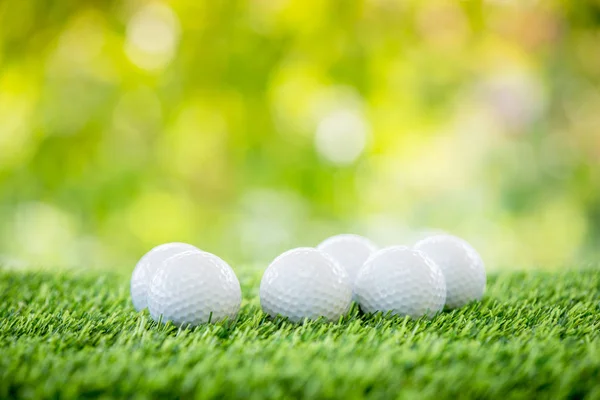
<point x="152" y="36"/>
<point x="341" y="137"/>
<point x="43" y="234"/>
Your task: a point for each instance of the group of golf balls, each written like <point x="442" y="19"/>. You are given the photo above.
<point x="180" y="283"/>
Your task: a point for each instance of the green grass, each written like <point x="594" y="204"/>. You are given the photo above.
<point x="77" y="335"/>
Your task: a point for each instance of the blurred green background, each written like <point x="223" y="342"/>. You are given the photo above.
<point x="248" y="127"/>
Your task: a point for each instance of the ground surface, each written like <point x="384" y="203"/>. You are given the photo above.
<point x="75" y="335"/>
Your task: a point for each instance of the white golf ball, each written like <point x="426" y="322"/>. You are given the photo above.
<point x="351" y="251"/>
<point x="192" y="288"/>
<point x="146" y="268"/>
<point x="402" y="281"/>
<point x="461" y="265"/>
<point x="305" y="283"/>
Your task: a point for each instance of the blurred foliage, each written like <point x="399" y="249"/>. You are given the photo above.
<point x="247" y="127"/>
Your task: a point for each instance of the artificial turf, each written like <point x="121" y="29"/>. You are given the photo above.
<point x="76" y="335"/>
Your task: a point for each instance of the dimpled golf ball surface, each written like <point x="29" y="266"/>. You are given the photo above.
<point x="305" y="283"/>
<point x="401" y="281"/>
<point x="461" y="265"/>
<point x="146" y="268"/>
<point x="350" y="251"/>
<point x="191" y="286"/>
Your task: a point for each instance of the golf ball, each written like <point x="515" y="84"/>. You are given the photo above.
<point x="350" y="251"/>
<point x="461" y="265"/>
<point x="192" y="288"/>
<point x="145" y="269"/>
<point x="305" y="283"/>
<point x="402" y="281"/>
